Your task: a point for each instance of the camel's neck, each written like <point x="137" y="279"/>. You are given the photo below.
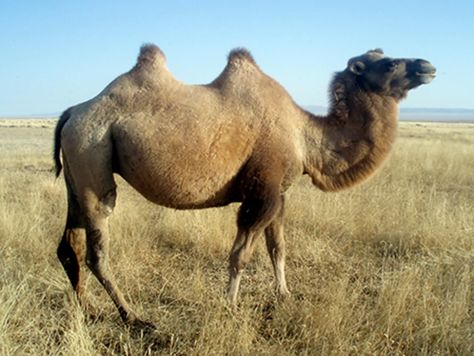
<point x="346" y="147"/>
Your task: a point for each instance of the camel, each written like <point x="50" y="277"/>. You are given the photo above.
<point x="239" y="139"/>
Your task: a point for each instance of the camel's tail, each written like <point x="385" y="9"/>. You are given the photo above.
<point x="57" y="140"/>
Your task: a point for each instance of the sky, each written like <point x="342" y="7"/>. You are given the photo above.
<point x="54" y="54"/>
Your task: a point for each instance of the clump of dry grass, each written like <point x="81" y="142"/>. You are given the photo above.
<point x="385" y="268"/>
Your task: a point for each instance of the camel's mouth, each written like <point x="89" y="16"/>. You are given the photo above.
<point x="425" y="72"/>
<point x="426" y="78"/>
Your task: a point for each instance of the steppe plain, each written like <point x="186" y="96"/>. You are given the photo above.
<point x="382" y="269"/>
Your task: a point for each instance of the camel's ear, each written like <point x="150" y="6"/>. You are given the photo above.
<point x="357" y="67"/>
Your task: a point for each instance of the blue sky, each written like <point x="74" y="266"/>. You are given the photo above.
<point x="54" y="54"/>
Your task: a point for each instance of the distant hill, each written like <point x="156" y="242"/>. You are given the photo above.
<point x="31" y="116"/>
<point x="406" y="114"/>
<point x="418" y="114"/>
<point x="437" y="115"/>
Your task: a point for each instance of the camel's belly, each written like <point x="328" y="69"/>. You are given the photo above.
<point x="182" y="189"/>
<point x="180" y="170"/>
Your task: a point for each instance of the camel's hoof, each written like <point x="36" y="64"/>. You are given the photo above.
<point x="140" y="328"/>
<point x="283" y="296"/>
<point x="94" y="317"/>
<point x="139" y="324"/>
<point x="91" y="313"/>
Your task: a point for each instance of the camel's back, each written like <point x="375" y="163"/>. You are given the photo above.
<point x="184" y="146"/>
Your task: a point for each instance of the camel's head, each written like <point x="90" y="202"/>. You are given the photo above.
<point x="389" y="76"/>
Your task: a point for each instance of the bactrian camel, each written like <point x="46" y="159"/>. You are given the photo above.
<point x="240" y="138"/>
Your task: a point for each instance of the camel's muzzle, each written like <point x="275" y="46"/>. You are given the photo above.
<point x="421" y="71"/>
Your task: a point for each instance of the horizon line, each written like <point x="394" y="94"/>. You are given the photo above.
<point x="432" y="110"/>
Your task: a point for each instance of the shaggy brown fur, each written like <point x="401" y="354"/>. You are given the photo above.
<point x="240" y="138"/>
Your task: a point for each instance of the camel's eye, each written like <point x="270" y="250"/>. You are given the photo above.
<point x="392" y="66"/>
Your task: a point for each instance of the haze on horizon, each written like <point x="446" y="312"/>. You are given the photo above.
<point x="56" y="54"/>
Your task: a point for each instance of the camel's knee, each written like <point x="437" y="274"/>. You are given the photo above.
<point x="98" y="206"/>
<point x="276" y="250"/>
<point x="239" y="259"/>
<point x="242" y="249"/>
<point x="107" y="202"/>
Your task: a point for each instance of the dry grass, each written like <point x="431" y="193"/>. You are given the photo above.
<point x="386" y="268"/>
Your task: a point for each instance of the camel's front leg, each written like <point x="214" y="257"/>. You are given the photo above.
<point x="254" y="215"/>
<point x="275" y="240"/>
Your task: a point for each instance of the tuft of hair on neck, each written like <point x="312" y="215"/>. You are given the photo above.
<point x="339" y="108"/>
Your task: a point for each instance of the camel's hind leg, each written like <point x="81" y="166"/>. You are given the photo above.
<point x="92" y="196"/>
<point x="72" y="248"/>
<point x="98" y="208"/>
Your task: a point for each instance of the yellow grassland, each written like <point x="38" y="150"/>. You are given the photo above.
<point x="382" y="269"/>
